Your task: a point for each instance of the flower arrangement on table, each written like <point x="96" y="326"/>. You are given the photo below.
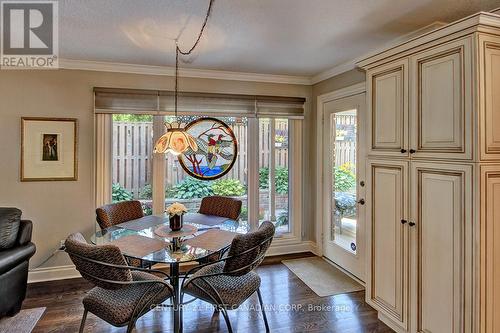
<point x="176" y="211"/>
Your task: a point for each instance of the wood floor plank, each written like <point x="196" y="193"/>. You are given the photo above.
<point x="291" y="307"/>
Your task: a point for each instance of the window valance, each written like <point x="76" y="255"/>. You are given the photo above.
<point x="114" y="100"/>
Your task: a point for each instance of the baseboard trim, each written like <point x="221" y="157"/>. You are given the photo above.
<point x="282" y="247"/>
<point x="52" y="273"/>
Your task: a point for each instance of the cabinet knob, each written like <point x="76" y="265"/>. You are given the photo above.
<point x="403" y="151"/>
<point x="404" y="221"/>
<point x="411" y="224"/>
<point x="361" y="201"/>
<point x="412" y="151"/>
<point x="362" y="183"/>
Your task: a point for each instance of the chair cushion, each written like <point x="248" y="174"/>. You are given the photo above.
<point x="233" y="290"/>
<point x="117" y="306"/>
<point x="9" y="225"/>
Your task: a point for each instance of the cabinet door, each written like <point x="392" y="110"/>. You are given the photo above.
<point x="490" y="248"/>
<point x="387" y="241"/>
<point x="387" y="95"/>
<point x="441" y="101"/>
<point x="441" y="208"/>
<point x="489" y="98"/>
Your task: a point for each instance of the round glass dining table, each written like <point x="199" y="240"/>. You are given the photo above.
<point x="168" y="250"/>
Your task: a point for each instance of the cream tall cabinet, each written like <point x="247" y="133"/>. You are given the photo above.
<point x="433" y="180"/>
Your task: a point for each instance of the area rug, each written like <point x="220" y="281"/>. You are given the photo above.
<point x="322" y="277"/>
<point x="23" y="322"/>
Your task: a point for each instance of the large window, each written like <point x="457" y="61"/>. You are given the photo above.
<point x="266" y="176"/>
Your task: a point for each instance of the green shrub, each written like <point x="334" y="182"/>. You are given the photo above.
<point x="264" y="178"/>
<point x="345" y="179"/>
<point x="132" y="117"/>
<point x="244" y="214"/>
<point x="228" y="187"/>
<point x="282" y="219"/>
<point x="281" y="180"/>
<point x="146" y="192"/>
<point x="119" y="193"/>
<point x="191" y="188"/>
<point x="147" y="208"/>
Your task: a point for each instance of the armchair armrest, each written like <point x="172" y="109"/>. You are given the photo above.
<point x="24" y="233"/>
<point x="14" y="256"/>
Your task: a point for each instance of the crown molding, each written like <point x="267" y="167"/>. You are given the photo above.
<point x="103" y="66"/>
<point x="347" y="66"/>
<point x="339" y="69"/>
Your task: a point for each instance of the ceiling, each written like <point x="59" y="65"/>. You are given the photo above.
<point x="286" y="37"/>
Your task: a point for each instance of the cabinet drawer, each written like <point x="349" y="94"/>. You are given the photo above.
<point x="441" y="101"/>
<point x="387" y="92"/>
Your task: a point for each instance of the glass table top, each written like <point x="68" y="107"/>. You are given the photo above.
<point x="168" y="254"/>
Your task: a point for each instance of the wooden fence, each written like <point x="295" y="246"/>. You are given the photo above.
<point x="133" y="147"/>
<point x="345" y="143"/>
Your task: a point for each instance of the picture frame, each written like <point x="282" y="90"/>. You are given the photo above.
<point x="49" y="149"/>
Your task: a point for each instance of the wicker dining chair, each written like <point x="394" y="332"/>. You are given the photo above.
<point x="221" y="206"/>
<point x="119" y="212"/>
<point x="122" y="293"/>
<point x="228" y="282"/>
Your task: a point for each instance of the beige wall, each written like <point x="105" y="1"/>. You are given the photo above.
<point x="340" y="81"/>
<point x="60" y="208"/>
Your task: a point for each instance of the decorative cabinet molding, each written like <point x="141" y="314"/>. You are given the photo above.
<point x="387" y="91"/>
<point x="489" y="97"/>
<point x="387" y="275"/>
<point x="443" y="91"/>
<point x="441" y="101"/>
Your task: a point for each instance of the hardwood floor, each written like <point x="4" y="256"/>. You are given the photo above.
<point x="292" y="307"/>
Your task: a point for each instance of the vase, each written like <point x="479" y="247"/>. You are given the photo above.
<point x="176" y="222"/>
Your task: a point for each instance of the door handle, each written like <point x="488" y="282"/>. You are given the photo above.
<point x="404" y="221"/>
<point x="411" y="224"/>
<point x="361" y="201"/>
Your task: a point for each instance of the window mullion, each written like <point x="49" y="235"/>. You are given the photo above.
<point x="253" y="173"/>
<point x="272" y="169"/>
<point x="158" y="172"/>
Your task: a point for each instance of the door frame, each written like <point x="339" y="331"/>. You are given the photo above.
<point x="321" y="100"/>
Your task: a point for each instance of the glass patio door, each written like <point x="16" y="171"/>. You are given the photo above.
<point x="343" y="172"/>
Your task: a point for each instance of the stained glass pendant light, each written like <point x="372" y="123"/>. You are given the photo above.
<point x="176" y="140"/>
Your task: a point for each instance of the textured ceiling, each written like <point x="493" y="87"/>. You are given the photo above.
<point x="295" y="37"/>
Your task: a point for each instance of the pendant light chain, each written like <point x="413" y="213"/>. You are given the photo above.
<point x="179" y="51"/>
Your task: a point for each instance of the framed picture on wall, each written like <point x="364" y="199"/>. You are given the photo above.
<point x="49" y="149"/>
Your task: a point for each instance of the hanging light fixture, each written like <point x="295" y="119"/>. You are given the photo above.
<point x="176" y="140"/>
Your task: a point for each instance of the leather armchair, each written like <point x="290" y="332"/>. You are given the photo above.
<point x="14" y="270"/>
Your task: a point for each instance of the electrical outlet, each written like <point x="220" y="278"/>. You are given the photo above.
<point x="61" y="244"/>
